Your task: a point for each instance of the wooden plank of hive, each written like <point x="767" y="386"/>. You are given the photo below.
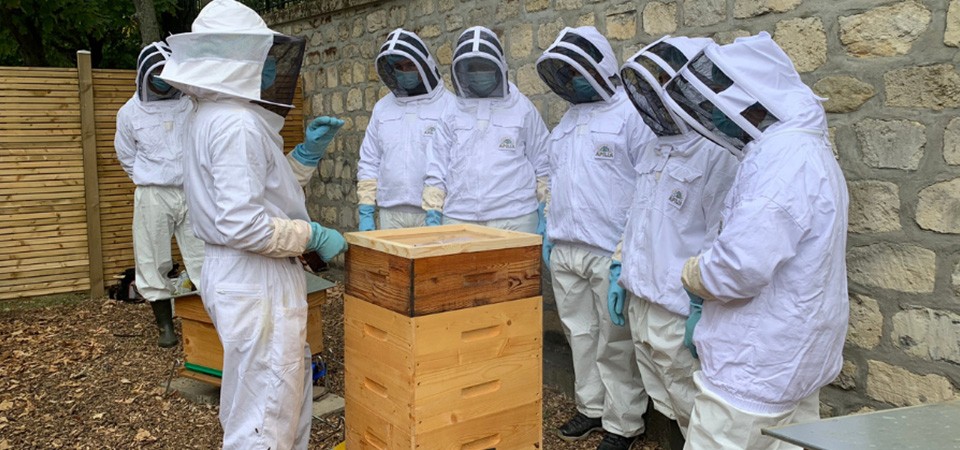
<point x="465" y="280"/>
<point x="378" y="278"/>
<point x="478" y="334"/>
<point x="518" y="428"/>
<point x="201" y="345"/>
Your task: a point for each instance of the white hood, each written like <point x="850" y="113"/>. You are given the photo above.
<point x="154" y="56"/>
<point x="748" y="88"/>
<point x="646" y="72"/>
<point x="479" y="43"/>
<point x="588" y="53"/>
<point x="408" y="45"/>
<point x="223" y="55"/>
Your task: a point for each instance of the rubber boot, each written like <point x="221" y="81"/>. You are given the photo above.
<point x="163" y="311"/>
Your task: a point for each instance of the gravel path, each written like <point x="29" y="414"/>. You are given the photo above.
<point x="78" y="373"/>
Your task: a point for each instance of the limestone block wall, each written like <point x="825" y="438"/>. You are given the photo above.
<point x="888" y="67"/>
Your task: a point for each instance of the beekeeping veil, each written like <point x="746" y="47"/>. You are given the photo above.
<point x="645" y="73"/>
<point x="734" y="93"/>
<point x="479" y="67"/>
<point x="580" y="51"/>
<point x="149" y="64"/>
<point x="403" y="44"/>
<point x="230" y="53"/>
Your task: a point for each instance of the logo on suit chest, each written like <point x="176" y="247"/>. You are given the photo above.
<point x="604" y="152"/>
<point x="677" y="198"/>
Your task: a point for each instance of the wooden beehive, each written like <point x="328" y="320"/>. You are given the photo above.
<point x="443" y="339"/>
<point x="203" y="353"/>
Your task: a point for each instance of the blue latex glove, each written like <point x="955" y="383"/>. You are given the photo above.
<point x="434" y="217"/>
<point x="366" y="217"/>
<point x="318" y="136"/>
<point x="325" y="241"/>
<point x="541" y="220"/>
<point x="616" y="296"/>
<point x="696" y="309"/>
<point x="547" y="250"/>
<point x="542" y="231"/>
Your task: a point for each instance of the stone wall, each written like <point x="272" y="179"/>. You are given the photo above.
<point x="889" y="69"/>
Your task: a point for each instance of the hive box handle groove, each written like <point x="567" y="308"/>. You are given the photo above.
<point x="374" y="441"/>
<point x="480" y="333"/>
<point x="375" y="387"/>
<point x="481" y="389"/>
<point x="374" y="332"/>
<point x="484" y="443"/>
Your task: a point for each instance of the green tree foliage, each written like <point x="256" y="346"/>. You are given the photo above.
<point x="48" y="33"/>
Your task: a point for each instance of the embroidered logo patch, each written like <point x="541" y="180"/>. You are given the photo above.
<point x="429" y="131"/>
<point x="604" y="152"/>
<point x="676" y="198"/>
<point x="507" y="144"/>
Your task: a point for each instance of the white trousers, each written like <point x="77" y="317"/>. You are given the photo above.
<point x="259" y="308"/>
<point x="402" y="217"/>
<point x="526" y="223"/>
<point x="716" y="424"/>
<point x="608" y="384"/>
<point x="160" y="213"/>
<point x="666" y="366"/>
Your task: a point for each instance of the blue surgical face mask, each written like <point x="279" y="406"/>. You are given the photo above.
<point x="583" y="89"/>
<point x="482" y="82"/>
<point x="160" y="85"/>
<point x="269" y="74"/>
<point x="725" y="125"/>
<point x="407" y="80"/>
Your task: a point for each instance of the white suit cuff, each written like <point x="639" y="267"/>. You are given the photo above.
<point x="289" y="238"/>
<point x="433" y="198"/>
<point x="301" y="171"/>
<point x="367" y="191"/>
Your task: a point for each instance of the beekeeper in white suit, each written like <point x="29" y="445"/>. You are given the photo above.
<point x="148" y="143"/>
<point x="488" y="163"/>
<point x="247" y="205"/>
<point x="682" y="181"/>
<point x="592" y="154"/>
<point x="393" y="155"/>
<point x="773" y="285"/>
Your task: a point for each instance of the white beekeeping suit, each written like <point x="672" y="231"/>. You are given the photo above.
<point x="487" y="164"/>
<point x="592" y="154"/>
<point x="150" y="127"/>
<point x="248" y="207"/>
<point x="393" y="155"/>
<point x="681" y="183"/>
<point x="774" y="282"/>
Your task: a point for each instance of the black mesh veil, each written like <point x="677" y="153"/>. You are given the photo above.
<point x="286" y="55"/>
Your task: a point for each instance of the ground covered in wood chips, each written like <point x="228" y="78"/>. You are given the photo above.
<point x="79" y="373"/>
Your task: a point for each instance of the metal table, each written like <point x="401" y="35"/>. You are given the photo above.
<point x="928" y="427"/>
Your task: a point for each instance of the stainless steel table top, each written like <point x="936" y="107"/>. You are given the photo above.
<point x="927" y="427"/>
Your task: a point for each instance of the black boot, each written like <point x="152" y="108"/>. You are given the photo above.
<point x="579" y="427"/>
<point x="163" y="311"/>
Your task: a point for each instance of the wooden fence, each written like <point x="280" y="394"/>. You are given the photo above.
<point x="66" y="206"/>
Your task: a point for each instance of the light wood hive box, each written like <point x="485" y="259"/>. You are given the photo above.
<point x="443" y="339"/>
<point x="203" y="353"/>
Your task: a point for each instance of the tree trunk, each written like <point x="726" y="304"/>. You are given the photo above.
<point x="149" y="26"/>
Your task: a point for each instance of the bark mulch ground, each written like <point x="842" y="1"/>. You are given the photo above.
<point x="79" y="373"/>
